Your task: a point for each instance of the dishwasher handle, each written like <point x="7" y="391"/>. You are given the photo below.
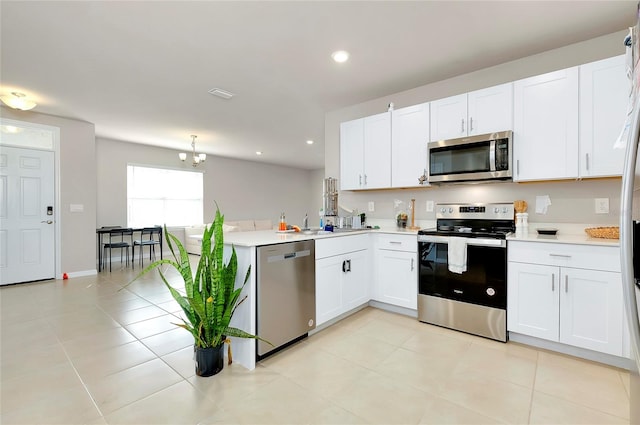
<point x="288" y="255"/>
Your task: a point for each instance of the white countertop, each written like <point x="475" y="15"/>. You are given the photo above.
<point x="270" y="237"/>
<point x="567" y="233"/>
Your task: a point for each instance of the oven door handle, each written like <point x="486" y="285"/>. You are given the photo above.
<point x="499" y="243"/>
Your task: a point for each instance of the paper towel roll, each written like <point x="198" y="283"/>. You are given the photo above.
<point x="542" y="203"/>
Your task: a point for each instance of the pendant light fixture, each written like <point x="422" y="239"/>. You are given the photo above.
<point x="17" y="100"/>
<point x="196" y="158"/>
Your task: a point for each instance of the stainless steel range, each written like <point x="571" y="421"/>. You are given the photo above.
<point x="463" y="269"/>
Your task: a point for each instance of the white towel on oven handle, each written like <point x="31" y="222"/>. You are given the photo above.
<point x="457" y="254"/>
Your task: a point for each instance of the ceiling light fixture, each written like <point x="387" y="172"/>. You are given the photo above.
<point x="197" y="158"/>
<point x="309" y="142"/>
<point x="18" y="100"/>
<point x="258" y="152"/>
<point x="340" y="56"/>
<point x="221" y="93"/>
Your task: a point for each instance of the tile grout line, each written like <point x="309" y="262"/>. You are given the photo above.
<point x="533" y="388"/>
<point x="84" y="385"/>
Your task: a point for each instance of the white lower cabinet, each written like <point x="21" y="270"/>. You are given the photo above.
<point x="396" y="270"/>
<point x="533" y="300"/>
<point x="554" y="301"/>
<point x="342" y="275"/>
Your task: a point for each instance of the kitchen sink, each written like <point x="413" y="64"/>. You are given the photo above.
<point x="335" y="230"/>
<point x="346" y="230"/>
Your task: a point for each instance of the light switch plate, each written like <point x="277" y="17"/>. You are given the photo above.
<point x="602" y="205"/>
<point x="372" y="206"/>
<point x="429" y="206"/>
<point x="76" y="207"/>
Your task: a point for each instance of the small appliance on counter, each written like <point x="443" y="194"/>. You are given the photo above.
<point x="330" y="197"/>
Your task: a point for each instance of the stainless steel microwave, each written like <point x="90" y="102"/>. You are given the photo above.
<point x="474" y="158"/>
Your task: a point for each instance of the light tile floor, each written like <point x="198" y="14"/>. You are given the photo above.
<point x="87" y="351"/>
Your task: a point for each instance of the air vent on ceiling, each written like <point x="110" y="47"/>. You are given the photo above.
<point x="221" y="93"/>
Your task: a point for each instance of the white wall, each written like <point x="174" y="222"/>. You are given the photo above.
<point x="572" y="201"/>
<point x="77" y="186"/>
<point x="242" y="189"/>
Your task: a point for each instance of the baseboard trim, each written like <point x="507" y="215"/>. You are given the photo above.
<point x="81" y="273"/>
<point x="611" y="360"/>
<point x="394" y="309"/>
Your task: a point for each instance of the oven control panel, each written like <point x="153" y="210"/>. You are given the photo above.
<point x="497" y="211"/>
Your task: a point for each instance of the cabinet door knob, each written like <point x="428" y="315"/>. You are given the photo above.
<point x="553" y="282"/>
<point x="412" y="267"/>
<point x="471" y="124"/>
<point x="462" y="126"/>
<point x="566" y="283"/>
<point x="344" y="266"/>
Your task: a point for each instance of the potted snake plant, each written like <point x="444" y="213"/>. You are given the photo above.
<point x="210" y="297"/>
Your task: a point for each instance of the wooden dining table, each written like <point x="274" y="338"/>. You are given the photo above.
<point x="100" y="232"/>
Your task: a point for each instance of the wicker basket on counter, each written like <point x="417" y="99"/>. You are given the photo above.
<point x="604" y="232"/>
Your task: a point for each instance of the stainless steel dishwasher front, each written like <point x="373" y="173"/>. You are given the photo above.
<point x="286" y="294"/>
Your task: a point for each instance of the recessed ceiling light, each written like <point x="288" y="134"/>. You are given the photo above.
<point x="309" y="142"/>
<point x="221" y="93"/>
<point x="340" y="56"/>
<point x="258" y="152"/>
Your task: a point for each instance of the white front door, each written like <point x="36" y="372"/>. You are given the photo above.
<point x="27" y="216"/>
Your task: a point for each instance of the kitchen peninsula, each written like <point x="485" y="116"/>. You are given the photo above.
<point x="246" y="245"/>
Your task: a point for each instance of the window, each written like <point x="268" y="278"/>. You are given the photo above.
<point x="163" y="196"/>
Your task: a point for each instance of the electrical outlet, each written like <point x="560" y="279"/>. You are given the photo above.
<point x="602" y="205"/>
<point x="429" y="206"/>
<point x="372" y="206"/>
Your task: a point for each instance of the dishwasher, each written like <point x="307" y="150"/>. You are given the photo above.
<point x="286" y="294"/>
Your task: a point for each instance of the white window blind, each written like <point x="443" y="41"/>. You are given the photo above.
<point x="159" y="196"/>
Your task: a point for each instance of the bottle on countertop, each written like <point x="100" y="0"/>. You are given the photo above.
<point x="321" y="213"/>
<point x="305" y="222"/>
<point x="283" y="223"/>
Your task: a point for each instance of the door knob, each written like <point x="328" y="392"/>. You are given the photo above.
<point x="47" y="221"/>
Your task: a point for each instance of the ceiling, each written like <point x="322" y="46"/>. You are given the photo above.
<point x="141" y="71"/>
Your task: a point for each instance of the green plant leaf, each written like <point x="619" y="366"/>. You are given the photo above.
<point x="211" y="297"/>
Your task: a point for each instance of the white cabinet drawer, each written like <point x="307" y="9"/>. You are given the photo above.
<point x="337" y="245"/>
<point x="407" y="243"/>
<point x="591" y="257"/>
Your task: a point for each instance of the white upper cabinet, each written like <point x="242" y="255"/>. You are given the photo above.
<point x="478" y="112"/>
<point x="409" y="138"/>
<point x="377" y="151"/>
<point x="604" y="92"/>
<point x="449" y="117"/>
<point x="491" y="109"/>
<point x="545" y="125"/>
<point x="365" y="148"/>
<point x="351" y="154"/>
